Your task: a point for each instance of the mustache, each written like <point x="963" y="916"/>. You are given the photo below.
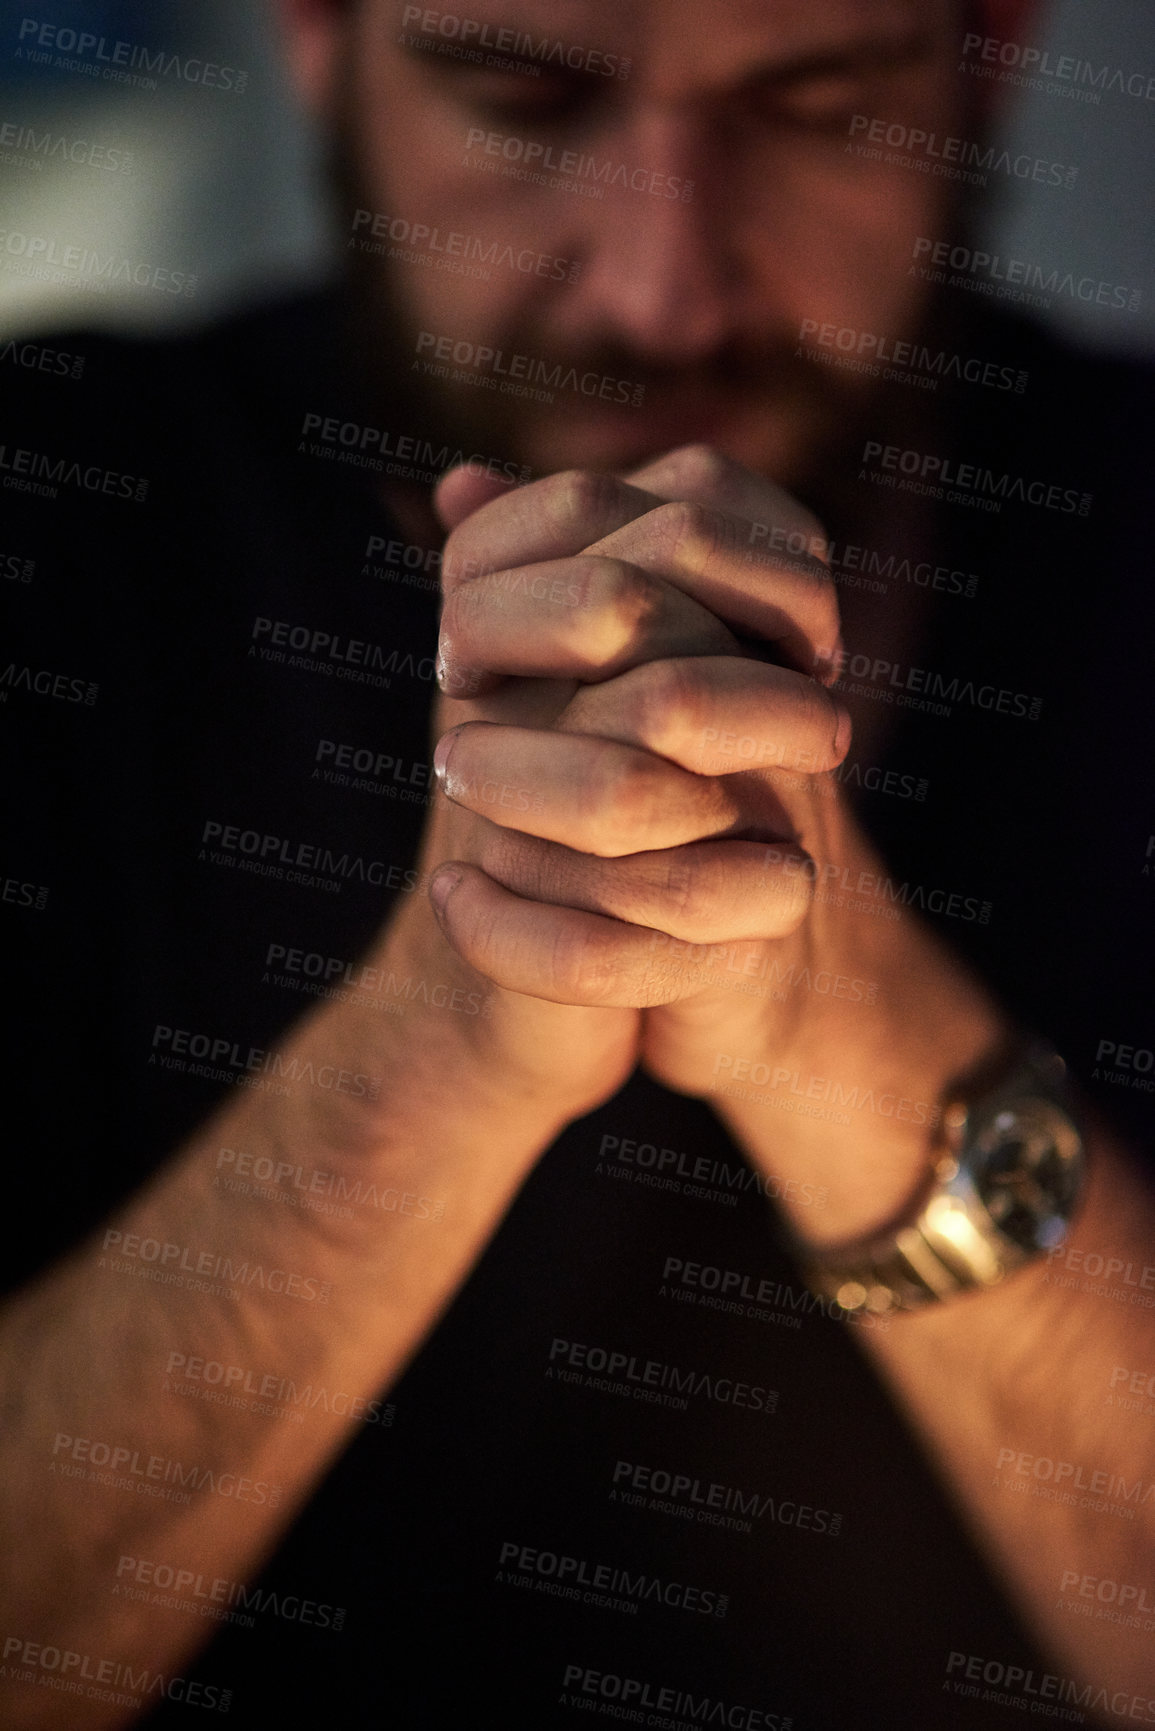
<point x="732" y="370"/>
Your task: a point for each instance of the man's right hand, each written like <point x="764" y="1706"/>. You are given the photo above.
<point x="574" y="1057"/>
<point x="533" y="611"/>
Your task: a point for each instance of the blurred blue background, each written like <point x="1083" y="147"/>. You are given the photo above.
<point x="222" y="183"/>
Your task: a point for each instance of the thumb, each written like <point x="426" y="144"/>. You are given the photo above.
<point x="462" y="491"/>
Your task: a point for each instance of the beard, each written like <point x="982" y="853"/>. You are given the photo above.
<point x="762" y="401"/>
<point x="761" y="398"/>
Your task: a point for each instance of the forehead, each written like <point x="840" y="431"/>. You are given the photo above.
<point x="675" y="43"/>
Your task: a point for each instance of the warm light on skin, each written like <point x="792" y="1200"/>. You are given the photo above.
<point x="700" y="299"/>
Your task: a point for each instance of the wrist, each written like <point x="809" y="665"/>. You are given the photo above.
<point x="418" y="1095"/>
<point x="857" y="1110"/>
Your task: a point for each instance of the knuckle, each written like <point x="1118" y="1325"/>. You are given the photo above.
<point x="626" y="604"/>
<point x="579" y="497"/>
<point x="581" y="964"/>
<point x="669" y="704"/>
<point x="683" y="524"/>
<point x="459" y="556"/>
<point x="703" y="469"/>
<point x="458" y="615"/>
<point x="686" y="893"/>
<point x="790" y="903"/>
<point x="504" y="855"/>
<point x="478" y="936"/>
<point x="627" y="807"/>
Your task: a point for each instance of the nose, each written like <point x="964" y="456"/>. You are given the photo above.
<point x="656" y="272"/>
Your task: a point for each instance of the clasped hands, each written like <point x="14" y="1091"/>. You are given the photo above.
<point x="635" y="746"/>
<point x="642" y="782"/>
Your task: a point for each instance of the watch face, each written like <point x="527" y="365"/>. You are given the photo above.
<point x="1026" y="1163"/>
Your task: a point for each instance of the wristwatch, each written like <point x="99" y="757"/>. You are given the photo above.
<point x="1000" y="1194"/>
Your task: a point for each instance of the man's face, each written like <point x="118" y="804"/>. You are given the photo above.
<point x="734" y="204"/>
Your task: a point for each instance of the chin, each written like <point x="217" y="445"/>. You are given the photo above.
<point x="761" y="443"/>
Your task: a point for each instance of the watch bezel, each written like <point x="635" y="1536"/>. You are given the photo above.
<point x="952" y="1240"/>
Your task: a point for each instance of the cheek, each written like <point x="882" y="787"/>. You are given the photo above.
<point x="461" y="276"/>
<point x="838" y="245"/>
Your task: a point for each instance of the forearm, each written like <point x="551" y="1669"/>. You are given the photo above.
<point x="1009" y="1387"/>
<point x="368" y="1218"/>
<point x="1017" y="1391"/>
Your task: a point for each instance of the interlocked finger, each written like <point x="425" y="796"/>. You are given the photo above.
<point x="717" y="715"/>
<point x="586" y="618"/>
<point x="594" y="795"/>
<point x="711" y="892"/>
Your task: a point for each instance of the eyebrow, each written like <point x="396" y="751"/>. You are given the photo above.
<point x="428" y="53"/>
<point x="857" y="54"/>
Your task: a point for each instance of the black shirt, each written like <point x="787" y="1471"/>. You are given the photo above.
<point x="218" y="679"/>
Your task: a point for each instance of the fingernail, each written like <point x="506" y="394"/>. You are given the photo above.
<point x="442" y="886"/>
<point x="827" y="664"/>
<point x="842" y="733"/>
<point x="441" y="755"/>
